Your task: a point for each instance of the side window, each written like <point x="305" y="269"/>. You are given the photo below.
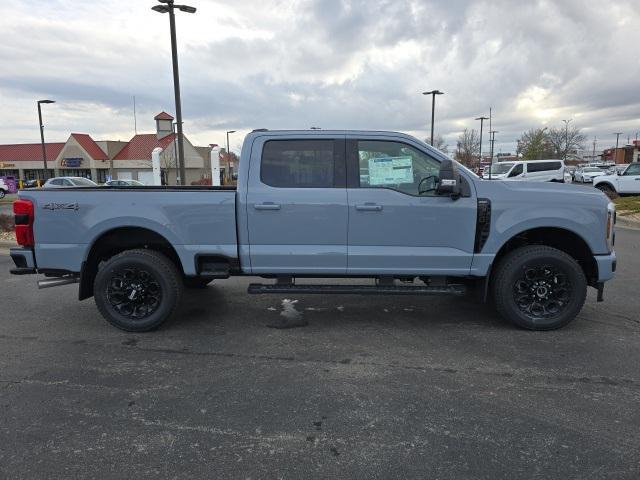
<point x="396" y="166"/>
<point x="633" y="169"/>
<point x="298" y="163"/>
<point x="56" y="182"/>
<point x="543" y="166"/>
<point x="517" y="170"/>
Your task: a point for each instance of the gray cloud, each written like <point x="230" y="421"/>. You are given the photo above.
<point x="328" y="63"/>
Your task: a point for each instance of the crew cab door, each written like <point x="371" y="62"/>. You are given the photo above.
<point x="394" y="228"/>
<point x="297" y="206"/>
<point x="629" y="181"/>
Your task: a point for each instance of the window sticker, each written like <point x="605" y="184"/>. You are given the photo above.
<point x="390" y="170"/>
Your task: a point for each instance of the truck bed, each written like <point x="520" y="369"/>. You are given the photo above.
<point x="195" y="220"/>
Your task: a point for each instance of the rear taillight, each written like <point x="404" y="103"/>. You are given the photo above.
<point x="23" y="211"/>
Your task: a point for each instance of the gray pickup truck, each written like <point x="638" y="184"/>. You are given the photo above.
<point x="380" y="207"/>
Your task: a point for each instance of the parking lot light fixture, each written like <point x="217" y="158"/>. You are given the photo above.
<point x="44" y="150"/>
<point x="168" y="6"/>
<point x="433" y="94"/>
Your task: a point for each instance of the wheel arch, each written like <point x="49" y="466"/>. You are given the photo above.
<point x="116" y="240"/>
<point x="561" y="238"/>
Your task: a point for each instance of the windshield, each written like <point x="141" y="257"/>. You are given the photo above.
<point x="82" y="182"/>
<point x="592" y="169"/>
<point x="501" y="168"/>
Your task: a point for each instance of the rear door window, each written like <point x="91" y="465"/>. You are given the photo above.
<point x="298" y="163"/>
<point x="543" y="166"/>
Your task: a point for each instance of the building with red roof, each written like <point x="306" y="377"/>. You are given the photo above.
<point x="82" y="156"/>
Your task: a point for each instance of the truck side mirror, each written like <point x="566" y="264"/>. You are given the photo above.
<point x="449" y="180"/>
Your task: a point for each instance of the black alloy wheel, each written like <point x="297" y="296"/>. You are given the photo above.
<point x="538" y="287"/>
<point x="137" y="290"/>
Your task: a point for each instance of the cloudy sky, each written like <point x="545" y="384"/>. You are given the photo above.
<point x="358" y="64"/>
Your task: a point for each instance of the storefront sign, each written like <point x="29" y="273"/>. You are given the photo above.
<point x="71" y="162"/>
<point x="7" y="165"/>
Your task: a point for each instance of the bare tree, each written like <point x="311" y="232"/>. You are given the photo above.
<point x="440" y="144"/>
<point x="535" y="144"/>
<point x="468" y="148"/>
<point x="566" y="141"/>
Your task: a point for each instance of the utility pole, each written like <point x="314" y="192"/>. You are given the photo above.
<point x="482" y="119"/>
<point x="229" y="176"/>
<point x="593" y="155"/>
<point x="615" y="155"/>
<point x="433" y="94"/>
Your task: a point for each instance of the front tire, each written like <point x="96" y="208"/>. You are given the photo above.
<point x="607" y="190"/>
<point x="137" y="290"/>
<point x="539" y="287"/>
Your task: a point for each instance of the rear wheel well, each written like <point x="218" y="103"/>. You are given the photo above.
<point x="567" y="241"/>
<point x="116" y="241"/>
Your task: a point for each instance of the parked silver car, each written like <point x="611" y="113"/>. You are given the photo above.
<point x="124" y="183"/>
<point x="63" y="182"/>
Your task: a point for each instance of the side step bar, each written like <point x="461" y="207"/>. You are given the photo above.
<point x="260" y="288"/>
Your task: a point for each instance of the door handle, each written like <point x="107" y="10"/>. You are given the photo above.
<point x="266" y="206"/>
<point x="369" y="207"/>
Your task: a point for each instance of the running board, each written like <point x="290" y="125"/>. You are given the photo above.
<point x="260" y="288"/>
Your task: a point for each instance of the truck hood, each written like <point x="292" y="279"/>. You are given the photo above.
<point x="541" y="193"/>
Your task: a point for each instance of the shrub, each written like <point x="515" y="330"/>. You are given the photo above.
<point x="6" y="223"/>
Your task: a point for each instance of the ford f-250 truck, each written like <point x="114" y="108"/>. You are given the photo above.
<point x="382" y="207"/>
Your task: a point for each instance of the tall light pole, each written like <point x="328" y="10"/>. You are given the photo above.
<point x="615" y="158"/>
<point x="229" y="156"/>
<point x="433" y="94"/>
<point x="167" y="6"/>
<point x="482" y="119"/>
<point x="593" y="155"/>
<point x="566" y="138"/>
<point x="44" y="150"/>
<point x="492" y="134"/>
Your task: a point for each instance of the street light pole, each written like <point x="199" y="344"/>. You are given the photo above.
<point x="44" y="150"/>
<point x="482" y="119"/>
<point x="492" y="134"/>
<point x="229" y="157"/>
<point x="433" y="94"/>
<point x="566" y="138"/>
<point x="169" y="7"/>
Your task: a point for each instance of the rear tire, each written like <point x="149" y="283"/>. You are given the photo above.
<point x="137" y="290"/>
<point x="2" y="193"/>
<point x="539" y="287"/>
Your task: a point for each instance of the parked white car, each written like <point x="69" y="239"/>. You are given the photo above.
<point x="624" y="183"/>
<point x="62" y="182"/>
<point x="587" y="174"/>
<point x="3" y="188"/>
<point x="529" y="170"/>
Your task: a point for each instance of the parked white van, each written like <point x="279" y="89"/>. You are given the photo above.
<point x="529" y="170"/>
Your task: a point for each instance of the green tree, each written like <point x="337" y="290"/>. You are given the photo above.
<point x="534" y="144"/>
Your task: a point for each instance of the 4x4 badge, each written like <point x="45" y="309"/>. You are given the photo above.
<point x="61" y="206"/>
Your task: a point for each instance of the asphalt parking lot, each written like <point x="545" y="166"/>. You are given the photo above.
<point x="373" y="387"/>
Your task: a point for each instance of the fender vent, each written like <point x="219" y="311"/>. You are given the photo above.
<point x="483" y="224"/>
